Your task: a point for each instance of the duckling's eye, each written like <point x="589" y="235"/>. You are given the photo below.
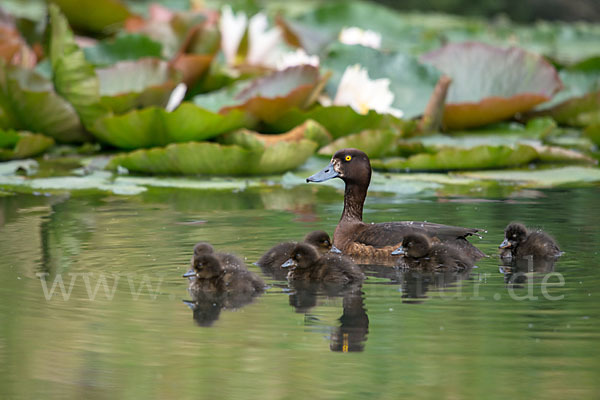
<point x="348" y="158"/>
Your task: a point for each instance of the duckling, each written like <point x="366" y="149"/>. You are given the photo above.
<point x="228" y="260"/>
<point x="376" y="242"/>
<point x="212" y="276"/>
<point x="271" y="261"/>
<point x="523" y="243"/>
<point x="308" y="265"/>
<point x="418" y="252"/>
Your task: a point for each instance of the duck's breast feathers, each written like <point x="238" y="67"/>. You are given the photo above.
<point x="391" y="233"/>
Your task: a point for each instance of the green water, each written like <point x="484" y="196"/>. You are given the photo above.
<point x="430" y="337"/>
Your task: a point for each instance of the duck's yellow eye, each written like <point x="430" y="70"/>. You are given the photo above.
<point x="348" y="158"/>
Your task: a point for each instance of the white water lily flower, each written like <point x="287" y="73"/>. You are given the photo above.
<point x="232" y="27"/>
<point x="354" y="35"/>
<point x="296" y="58"/>
<point x="262" y="41"/>
<point x="361" y="93"/>
<point x="176" y="97"/>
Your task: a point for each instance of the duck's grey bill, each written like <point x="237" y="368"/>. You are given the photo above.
<point x="189" y="274"/>
<point x="289" y="263"/>
<point x="505" y="244"/>
<point x="325" y="174"/>
<point x="399" y="251"/>
<point x="335" y="250"/>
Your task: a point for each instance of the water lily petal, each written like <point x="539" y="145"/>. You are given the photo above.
<point x="232" y="27"/>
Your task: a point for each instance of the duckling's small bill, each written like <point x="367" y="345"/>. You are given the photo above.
<point x="289" y="263"/>
<point x="190" y="273"/>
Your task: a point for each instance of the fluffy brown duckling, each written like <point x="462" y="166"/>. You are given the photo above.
<point x="227" y="260"/>
<point x="418" y="251"/>
<point x="308" y="265"/>
<point x="211" y="275"/>
<point x="523" y="243"/>
<point x="272" y="260"/>
<point x="376" y="242"/>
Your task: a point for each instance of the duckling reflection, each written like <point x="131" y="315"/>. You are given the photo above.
<point x="518" y="271"/>
<point x="418" y="252"/>
<point x="351" y="335"/>
<point x="216" y="285"/>
<point x="523" y="243"/>
<point x="270" y="263"/>
<point x="416" y="283"/>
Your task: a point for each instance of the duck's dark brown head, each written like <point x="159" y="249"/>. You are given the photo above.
<point x="514" y="234"/>
<point x="350" y="165"/>
<point x="207" y="266"/>
<point x="415" y="245"/>
<point x="319" y="239"/>
<point x="303" y="256"/>
<point x="203" y="248"/>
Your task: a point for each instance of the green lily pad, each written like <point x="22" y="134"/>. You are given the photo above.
<point x="18" y="145"/>
<point x="310" y="130"/>
<point x="123" y="47"/>
<point x="136" y="84"/>
<point x="478" y="157"/>
<point x="93" y="15"/>
<point x="28" y="102"/>
<point x="154" y="126"/>
<point x="540" y="178"/>
<point x="339" y="120"/>
<point x="376" y="143"/>
<point x="215" y="159"/>
<point x="74" y="78"/>
<point x="410" y="81"/>
<point x="491" y="84"/>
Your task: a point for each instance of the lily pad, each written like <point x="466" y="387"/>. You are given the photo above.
<point x="154" y="126"/>
<point x="94" y="15"/>
<point x="310" y="130"/>
<point x="215" y="159"/>
<point x="28" y="102"/>
<point x="410" y="81"/>
<point x="122" y="48"/>
<point x="312" y="39"/>
<point x="540" y="178"/>
<point x="18" y="145"/>
<point x="74" y="78"/>
<point x="340" y="120"/>
<point x="269" y="97"/>
<point x="491" y="84"/>
<point x="376" y="143"/>
<point x="136" y="84"/>
<point x="477" y="157"/>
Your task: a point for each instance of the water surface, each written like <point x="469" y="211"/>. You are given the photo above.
<point x="471" y="335"/>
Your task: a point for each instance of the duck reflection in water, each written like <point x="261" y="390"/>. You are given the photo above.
<point x="314" y="276"/>
<point x="351" y="335"/>
<point x="216" y="284"/>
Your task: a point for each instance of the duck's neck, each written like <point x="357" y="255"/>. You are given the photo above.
<point x="354" y="199"/>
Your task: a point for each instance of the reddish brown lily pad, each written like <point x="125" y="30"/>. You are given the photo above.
<point x="490" y="83"/>
<point x="268" y="98"/>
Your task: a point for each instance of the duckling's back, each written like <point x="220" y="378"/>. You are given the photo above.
<point x="539" y="245"/>
<point x="336" y="268"/>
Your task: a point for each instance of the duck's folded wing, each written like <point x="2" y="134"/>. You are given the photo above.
<point x="391" y="233"/>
